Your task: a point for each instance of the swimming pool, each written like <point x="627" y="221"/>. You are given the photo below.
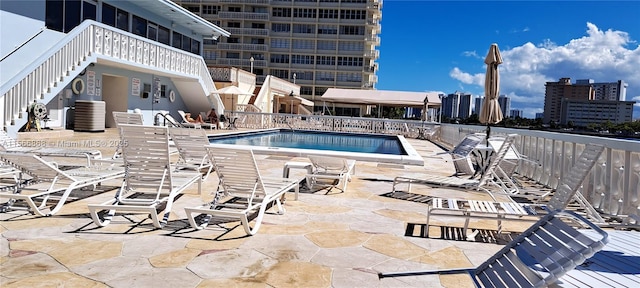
<point x="364" y="147"/>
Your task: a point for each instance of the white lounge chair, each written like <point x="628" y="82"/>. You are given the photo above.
<point x="487" y="178"/>
<point x="336" y="170"/>
<point x="188" y="124"/>
<point x="9" y="144"/>
<point x="47" y="182"/>
<point x="512" y="211"/>
<point x="242" y="192"/>
<point x="190" y="144"/>
<point x="150" y="182"/>
<point x="461" y="155"/>
<point x="536" y="258"/>
<point x="125" y="118"/>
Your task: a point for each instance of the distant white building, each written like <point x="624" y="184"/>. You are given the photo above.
<point x="585" y="112"/>
<point x="539" y="115"/>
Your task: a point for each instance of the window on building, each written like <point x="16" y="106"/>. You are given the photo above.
<point x="350" y="46"/>
<point x="108" y="14"/>
<point x="328" y="13"/>
<point x="258" y="25"/>
<point x="257" y="40"/>
<point x="325" y="76"/>
<point x="304" y="28"/>
<point x="353" y="14"/>
<point x="280" y="27"/>
<point x="282" y="74"/>
<point x="279" y="58"/>
<point x="233" y="55"/>
<point x="53" y="10"/>
<point x="235" y="9"/>
<point x="350" y="61"/>
<point x="209" y="55"/>
<point x="326" y="60"/>
<point x="281" y="12"/>
<point x="177" y="40"/>
<point x="279" y="43"/>
<point x="306" y="90"/>
<point x="303" y="44"/>
<point x="301" y="59"/>
<point x="163" y="35"/>
<point x="186" y="43"/>
<point x="152" y="31"/>
<point x="210" y="9"/>
<point x="195" y="47"/>
<point x="327" y="29"/>
<point x="309" y="13"/>
<point x="139" y="26"/>
<point x="89" y="11"/>
<point x="351" y="30"/>
<point x="233" y="24"/>
<point x="233" y="40"/>
<point x="326" y="45"/>
<point x="122" y="20"/>
<point x="72" y="17"/>
<point x="192" y="9"/>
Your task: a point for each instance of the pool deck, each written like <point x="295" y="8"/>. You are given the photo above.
<point x="325" y="238"/>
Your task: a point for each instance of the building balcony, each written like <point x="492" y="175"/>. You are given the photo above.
<point x="243" y="15"/>
<point x="245" y="1"/>
<point x="248" y="31"/>
<point x="240" y="46"/>
<point x="373" y="39"/>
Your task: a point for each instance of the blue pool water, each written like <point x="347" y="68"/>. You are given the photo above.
<point x="316" y="140"/>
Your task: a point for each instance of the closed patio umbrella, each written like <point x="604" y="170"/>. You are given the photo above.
<point x="490" y="112"/>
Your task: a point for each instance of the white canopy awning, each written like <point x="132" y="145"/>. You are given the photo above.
<point x="381" y="97"/>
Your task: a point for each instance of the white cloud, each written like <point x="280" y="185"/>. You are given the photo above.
<point x="471" y="54"/>
<point x="466" y="78"/>
<point x="604" y="56"/>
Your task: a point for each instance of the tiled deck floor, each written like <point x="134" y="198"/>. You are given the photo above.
<point x="323" y="240"/>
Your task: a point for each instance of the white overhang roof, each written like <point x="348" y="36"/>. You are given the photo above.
<point x="381" y="97"/>
<point x="183" y="17"/>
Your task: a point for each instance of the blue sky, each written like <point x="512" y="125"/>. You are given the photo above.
<point x="441" y="45"/>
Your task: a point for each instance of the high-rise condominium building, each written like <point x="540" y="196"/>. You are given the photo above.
<point x="556" y="91"/>
<point x="504" y="101"/>
<point x="316" y="44"/>
<point x="457" y="105"/>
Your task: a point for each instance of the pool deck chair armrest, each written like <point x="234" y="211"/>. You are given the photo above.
<point x="243" y="193"/>
<point x="150" y="182"/>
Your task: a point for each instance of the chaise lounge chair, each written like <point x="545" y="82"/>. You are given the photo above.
<point x="536" y="258"/>
<point x="47" y="182"/>
<point x="461" y="155"/>
<point x="190" y="144"/>
<point x="487" y="178"/>
<point x="512" y="211"/>
<point x="337" y="170"/>
<point x="242" y="192"/>
<point x="125" y="118"/>
<point x="186" y="123"/>
<point x="150" y="183"/>
<point x="9" y="144"/>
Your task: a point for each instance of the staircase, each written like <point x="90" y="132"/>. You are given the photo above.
<point x="89" y="42"/>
